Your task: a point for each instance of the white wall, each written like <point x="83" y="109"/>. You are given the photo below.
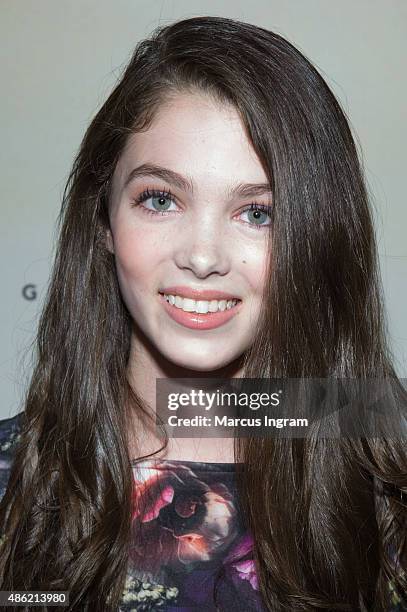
<point x="59" y="60"/>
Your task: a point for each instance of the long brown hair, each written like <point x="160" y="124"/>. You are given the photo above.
<point x="324" y="513"/>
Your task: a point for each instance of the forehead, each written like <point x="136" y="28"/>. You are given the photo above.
<point x="197" y="136"/>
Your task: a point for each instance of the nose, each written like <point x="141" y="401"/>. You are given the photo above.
<point x="203" y="248"/>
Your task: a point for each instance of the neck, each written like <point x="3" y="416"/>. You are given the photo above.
<point x="145" y="365"/>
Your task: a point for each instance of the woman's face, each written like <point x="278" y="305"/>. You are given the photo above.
<point x="193" y="232"/>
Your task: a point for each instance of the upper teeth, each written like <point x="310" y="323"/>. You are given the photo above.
<point x="200" y="306"/>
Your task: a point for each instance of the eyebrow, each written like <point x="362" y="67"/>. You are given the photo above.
<point x="243" y="190"/>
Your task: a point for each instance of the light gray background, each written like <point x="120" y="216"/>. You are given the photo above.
<point x="60" y="59"/>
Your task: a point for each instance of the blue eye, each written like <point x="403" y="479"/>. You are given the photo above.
<point x="160" y="198"/>
<point x="258" y="212"/>
<point x="161" y="202"/>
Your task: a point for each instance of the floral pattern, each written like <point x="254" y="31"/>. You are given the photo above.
<point x="188" y="537"/>
<point x="188" y="534"/>
<point x="190" y="520"/>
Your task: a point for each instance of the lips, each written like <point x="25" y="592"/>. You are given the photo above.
<point x="198" y="294"/>
<point x="194" y="320"/>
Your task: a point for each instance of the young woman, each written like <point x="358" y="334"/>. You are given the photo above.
<point x="219" y="176"/>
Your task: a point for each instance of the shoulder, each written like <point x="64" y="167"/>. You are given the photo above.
<point x="9" y="436"/>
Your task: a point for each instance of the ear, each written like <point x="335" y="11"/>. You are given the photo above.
<point x="109" y="241"/>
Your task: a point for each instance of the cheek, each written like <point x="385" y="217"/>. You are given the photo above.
<point x="254" y="267"/>
<point x="137" y="254"/>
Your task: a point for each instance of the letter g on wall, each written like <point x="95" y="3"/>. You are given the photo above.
<point x="29" y="292"/>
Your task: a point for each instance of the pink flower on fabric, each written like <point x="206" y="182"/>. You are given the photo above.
<point x="241" y="568"/>
<point x="164" y="497"/>
<point x="247" y="571"/>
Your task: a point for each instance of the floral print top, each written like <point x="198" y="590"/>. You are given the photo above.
<point x="188" y="540"/>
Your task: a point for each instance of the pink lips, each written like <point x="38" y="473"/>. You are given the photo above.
<point x="195" y="320"/>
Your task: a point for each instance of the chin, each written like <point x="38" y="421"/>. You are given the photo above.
<point x="197" y="364"/>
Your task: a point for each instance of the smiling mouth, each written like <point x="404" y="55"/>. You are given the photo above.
<point x="196" y="315"/>
<point x="200" y="306"/>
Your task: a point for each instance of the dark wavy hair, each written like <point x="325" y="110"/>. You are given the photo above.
<point x="324" y="513"/>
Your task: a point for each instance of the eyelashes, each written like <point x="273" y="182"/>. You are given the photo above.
<point x="167" y="195"/>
